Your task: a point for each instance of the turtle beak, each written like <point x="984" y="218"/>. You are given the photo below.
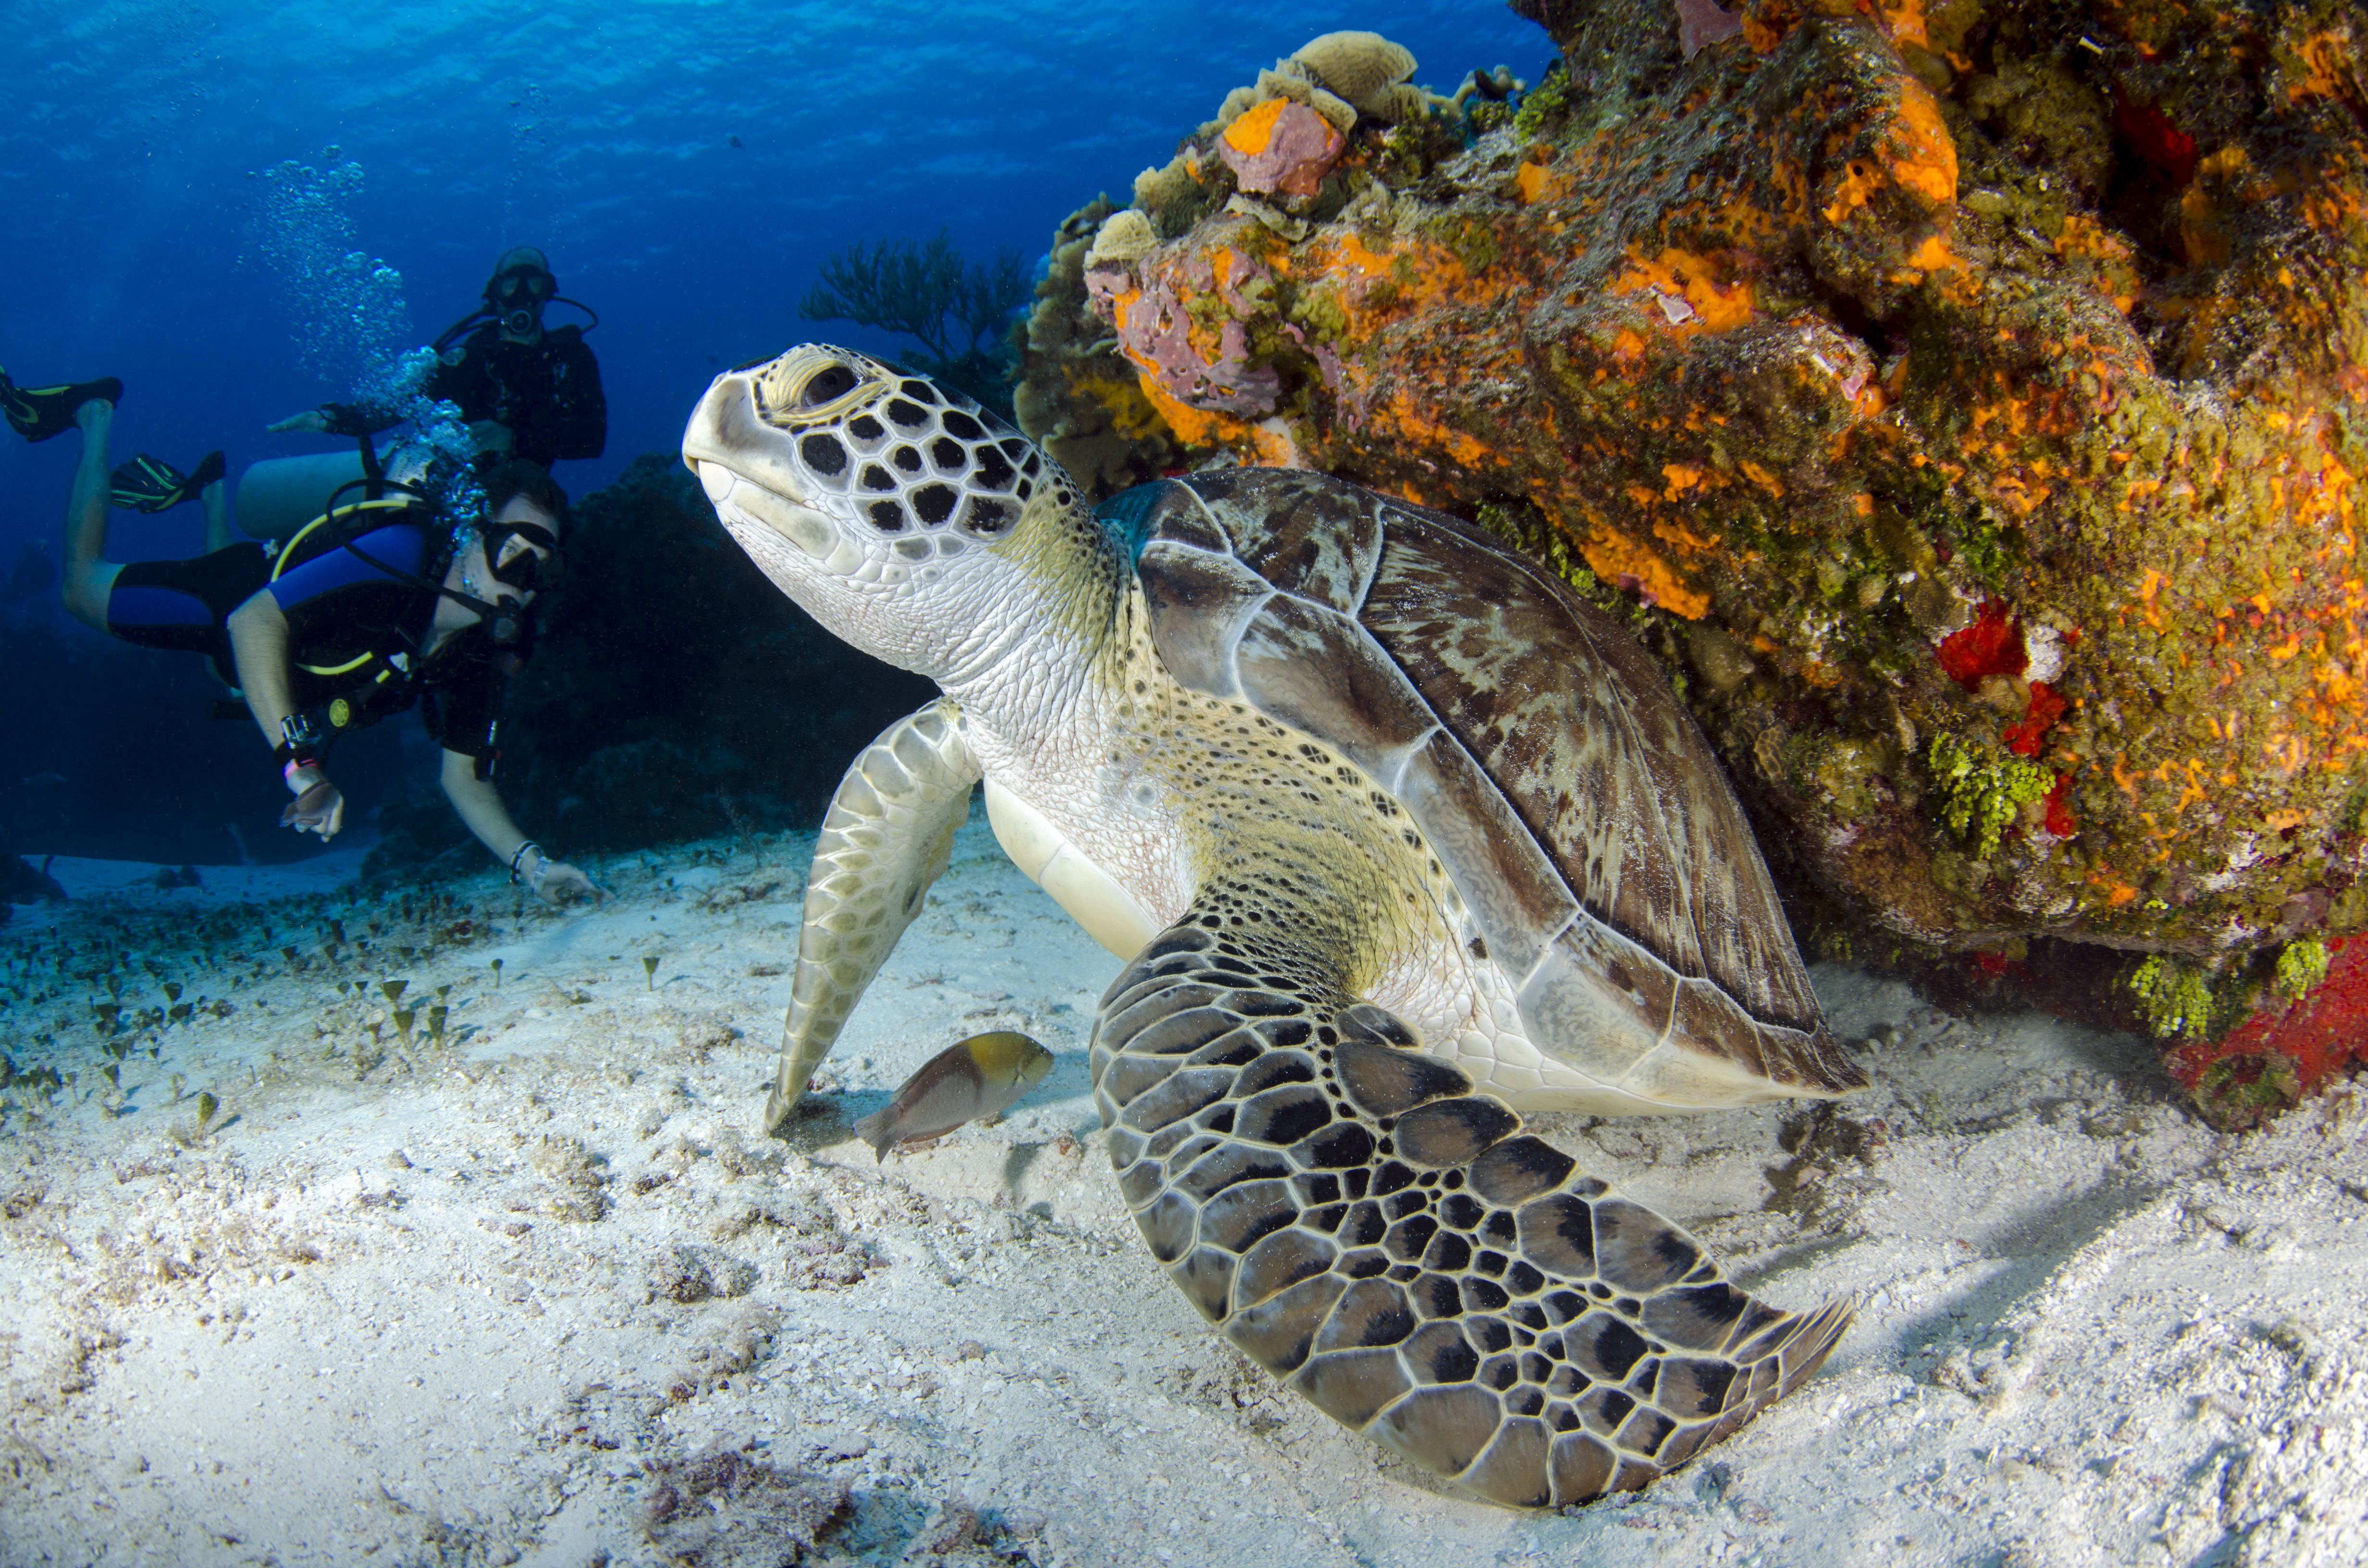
<point x="742" y="463"/>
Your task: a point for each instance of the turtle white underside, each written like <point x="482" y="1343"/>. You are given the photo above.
<point x="1479" y="1027"/>
<point x="1096" y="901"/>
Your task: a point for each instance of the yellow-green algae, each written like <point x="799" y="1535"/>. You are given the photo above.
<point x="1981" y="794"/>
<point x="2301" y="965"/>
<point x="2175" y="998"/>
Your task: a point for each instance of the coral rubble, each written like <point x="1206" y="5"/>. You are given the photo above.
<point x="1967" y="399"/>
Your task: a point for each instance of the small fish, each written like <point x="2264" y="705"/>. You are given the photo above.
<point x="976" y="1077"/>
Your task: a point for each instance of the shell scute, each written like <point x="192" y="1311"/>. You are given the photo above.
<point x="1386" y="1081"/>
<point x="1540" y="751"/>
<point x="1313" y="668"/>
<point x="1311" y="537"/>
<point x="1506" y="880"/>
<point x="1198" y="601"/>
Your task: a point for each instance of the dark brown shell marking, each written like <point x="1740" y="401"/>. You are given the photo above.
<point x="1575" y="806"/>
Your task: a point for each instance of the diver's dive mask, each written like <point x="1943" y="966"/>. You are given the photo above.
<point x="536" y="555"/>
<point x="518" y="294"/>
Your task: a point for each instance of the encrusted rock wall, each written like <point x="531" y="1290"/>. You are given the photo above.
<point x="1969" y="400"/>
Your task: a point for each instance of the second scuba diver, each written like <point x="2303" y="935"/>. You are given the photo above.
<point x="524" y="390"/>
<point x="373" y="607"/>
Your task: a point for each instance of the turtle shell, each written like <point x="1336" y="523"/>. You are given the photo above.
<point x="1570" y="798"/>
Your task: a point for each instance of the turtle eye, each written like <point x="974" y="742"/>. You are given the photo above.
<point x="835" y="382"/>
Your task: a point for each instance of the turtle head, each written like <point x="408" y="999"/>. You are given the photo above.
<point x="885" y="505"/>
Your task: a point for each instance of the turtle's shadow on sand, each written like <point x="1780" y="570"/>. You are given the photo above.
<point x="2060" y="1232"/>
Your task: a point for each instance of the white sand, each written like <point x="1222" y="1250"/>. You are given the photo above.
<point x="434" y="1315"/>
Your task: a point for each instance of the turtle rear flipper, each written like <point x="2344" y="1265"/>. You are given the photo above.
<point x="1360" y="1222"/>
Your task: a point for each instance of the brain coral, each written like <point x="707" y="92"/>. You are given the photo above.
<point x="1123" y="237"/>
<point x="1293" y="84"/>
<point x="1362" y="67"/>
<point x="1165" y="188"/>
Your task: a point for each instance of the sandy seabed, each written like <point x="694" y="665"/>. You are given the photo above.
<point x="539" y="1293"/>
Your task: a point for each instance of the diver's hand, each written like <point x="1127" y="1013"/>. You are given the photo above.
<point x="557" y="882"/>
<point x="317" y="807"/>
<point x="312" y="420"/>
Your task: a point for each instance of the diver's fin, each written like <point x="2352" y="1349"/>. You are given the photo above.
<point x="38" y="413"/>
<point x="151" y="484"/>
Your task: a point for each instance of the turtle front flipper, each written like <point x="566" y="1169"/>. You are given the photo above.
<point x="887" y="837"/>
<point x="1363" y="1226"/>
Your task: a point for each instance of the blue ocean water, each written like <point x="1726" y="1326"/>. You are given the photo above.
<point x="242" y="208"/>
<point x="185" y="182"/>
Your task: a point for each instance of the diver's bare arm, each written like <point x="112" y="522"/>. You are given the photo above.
<point x="258" y="642"/>
<point x="480" y="805"/>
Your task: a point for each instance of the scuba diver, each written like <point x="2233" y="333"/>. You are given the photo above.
<point x="524" y="390"/>
<point x="538" y="386"/>
<point x="373" y="607"/>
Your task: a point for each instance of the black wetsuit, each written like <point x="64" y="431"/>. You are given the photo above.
<point x="547" y="394"/>
<point x="354" y="631"/>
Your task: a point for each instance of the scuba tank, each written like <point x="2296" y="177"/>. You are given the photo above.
<point x="379" y="681"/>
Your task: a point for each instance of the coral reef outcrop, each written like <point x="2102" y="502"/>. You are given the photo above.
<point x="1968" y="398"/>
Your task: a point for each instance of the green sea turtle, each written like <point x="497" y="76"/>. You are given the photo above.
<point x="1392" y="833"/>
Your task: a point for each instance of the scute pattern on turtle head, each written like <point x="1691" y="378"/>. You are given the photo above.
<point x="909" y="457"/>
